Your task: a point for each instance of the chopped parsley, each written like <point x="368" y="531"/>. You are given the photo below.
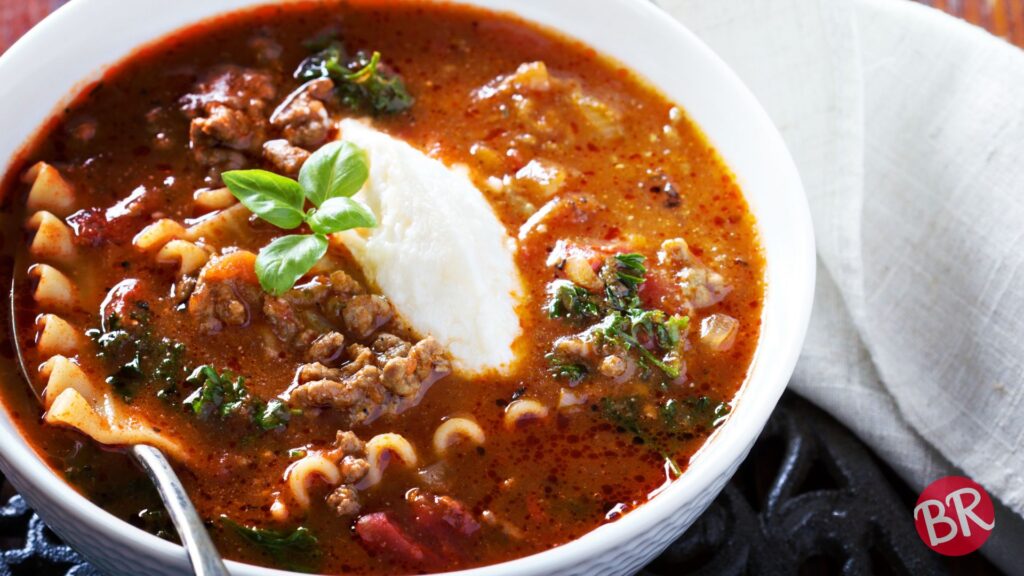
<point x="274" y="414"/>
<point x="693" y="414"/>
<point x="622" y="275"/>
<point x="675" y="419"/>
<point x="574" y="372"/>
<point x="140" y="359"/>
<point x="223" y="395"/>
<point x="568" y="300"/>
<point x="651" y="334"/>
<point x="216" y="394"/>
<point x="621" y="330"/>
<point x="133" y="352"/>
<point x="362" y="81"/>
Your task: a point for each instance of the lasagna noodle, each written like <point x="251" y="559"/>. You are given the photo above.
<point x="71" y="397"/>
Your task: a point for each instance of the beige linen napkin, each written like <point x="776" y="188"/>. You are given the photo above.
<point x="908" y="129"/>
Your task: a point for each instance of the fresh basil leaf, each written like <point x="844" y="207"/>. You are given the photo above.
<point x="337" y="169"/>
<point x="337" y="214"/>
<point x="276" y="199"/>
<point x="285" y="260"/>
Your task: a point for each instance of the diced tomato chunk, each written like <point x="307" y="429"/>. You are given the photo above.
<point x="435" y="535"/>
<point x="381" y="535"/>
<point x="93" y="227"/>
<point x="122" y="299"/>
<point x="660" y="291"/>
<point x="442" y="513"/>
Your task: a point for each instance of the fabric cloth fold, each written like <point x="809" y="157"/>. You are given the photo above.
<point x="907" y="127"/>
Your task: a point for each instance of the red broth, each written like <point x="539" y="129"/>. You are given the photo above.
<point x="624" y="172"/>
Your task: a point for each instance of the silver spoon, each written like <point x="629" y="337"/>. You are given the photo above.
<point x="203" y="555"/>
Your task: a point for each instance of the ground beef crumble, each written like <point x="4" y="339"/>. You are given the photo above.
<point x="303" y="118"/>
<point x="356" y="363"/>
<point x="350" y="454"/>
<point x="284" y="157"/>
<point x="219" y="304"/>
<point x="228" y="111"/>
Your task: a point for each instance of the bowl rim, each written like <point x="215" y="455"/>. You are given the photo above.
<point x="766" y="380"/>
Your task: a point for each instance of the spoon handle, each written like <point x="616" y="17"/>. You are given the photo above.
<point x="205" y="559"/>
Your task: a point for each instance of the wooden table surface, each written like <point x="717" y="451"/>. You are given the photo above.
<point x="1003" y="18"/>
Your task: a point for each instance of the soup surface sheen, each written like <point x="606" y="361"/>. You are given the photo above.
<point x="639" y="312"/>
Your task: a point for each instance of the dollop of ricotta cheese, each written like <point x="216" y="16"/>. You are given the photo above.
<point x="439" y="252"/>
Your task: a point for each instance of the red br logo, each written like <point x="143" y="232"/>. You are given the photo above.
<point x="954" y="516"/>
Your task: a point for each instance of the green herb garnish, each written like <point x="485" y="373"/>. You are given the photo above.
<point x="170" y="362"/>
<point x="650" y="333"/>
<point x="291" y="548"/>
<point x="693" y="415"/>
<point x="574" y="372"/>
<point x="133" y="352"/>
<point x="274" y="415"/>
<point x="623" y="274"/>
<point x="626" y="413"/>
<point x="363" y="82"/>
<point x="216" y="394"/>
<point x="677" y="419"/>
<point x="223" y="394"/>
<point x="620" y="329"/>
<point x="328" y="179"/>
<point x="568" y="300"/>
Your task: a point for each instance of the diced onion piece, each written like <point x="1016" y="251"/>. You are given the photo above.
<point x="569" y="399"/>
<point x="279" y="511"/>
<point x="434" y="475"/>
<point x="522" y="411"/>
<point x="675" y="251"/>
<point x="541" y="177"/>
<point x="157" y="234"/>
<point x="531" y="76"/>
<point x="602" y="117"/>
<point x="454" y="430"/>
<point x="578" y="269"/>
<point x="488" y="157"/>
<point x="718" y="332"/>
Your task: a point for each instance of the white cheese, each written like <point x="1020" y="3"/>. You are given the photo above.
<point x="439" y="252"/>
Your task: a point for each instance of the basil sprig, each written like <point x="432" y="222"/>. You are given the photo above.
<point x="328" y="180"/>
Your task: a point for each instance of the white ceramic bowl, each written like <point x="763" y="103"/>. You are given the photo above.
<point x="77" y="42"/>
